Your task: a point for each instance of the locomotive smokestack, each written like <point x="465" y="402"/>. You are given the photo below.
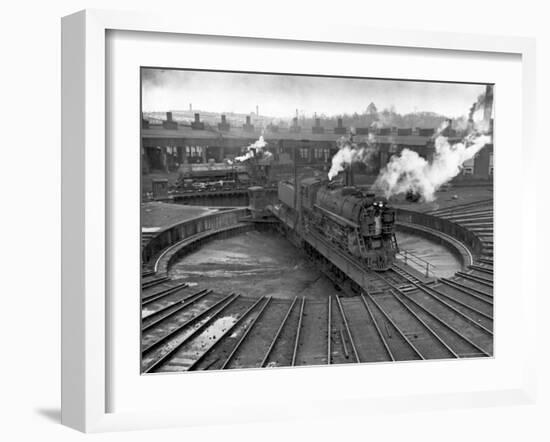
<point x="348" y="176"/>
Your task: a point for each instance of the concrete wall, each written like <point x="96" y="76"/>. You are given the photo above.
<point x="185" y="229"/>
<point x="460" y="233"/>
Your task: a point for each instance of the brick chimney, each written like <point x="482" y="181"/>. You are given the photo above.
<point x="169" y="123"/>
<point x="318" y="129"/>
<point x="248" y="126"/>
<point x="197" y="124"/>
<point x="340" y="129"/>
<point x="295" y="128"/>
<point x="223" y="126"/>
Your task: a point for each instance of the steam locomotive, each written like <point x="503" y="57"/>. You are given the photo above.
<point x="354" y="220"/>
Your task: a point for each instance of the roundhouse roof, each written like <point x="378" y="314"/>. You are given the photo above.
<point x="211" y="133"/>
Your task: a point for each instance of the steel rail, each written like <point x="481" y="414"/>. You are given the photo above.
<point x="432" y="332"/>
<point x="386" y="346"/>
<point x="176" y="302"/>
<point x="169" y="354"/>
<point x="464" y="288"/>
<point x="485" y="261"/>
<point x="346" y="325"/>
<point x="228" y="331"/>
<point x="152" y="298"/>
<point x="154" y="282"/>
<point x="445" y="295"/>
<point x="184" y="304"/>
<point x="404" y="273"/>
<point x="394" y="325"/>
<point x="245" y="334"/>
<point x="478" y="279"/>
<point x="445" y="324"/>
<point x="426" y="290"/>
<point x="270" y="349"/>
<point x="345" y="347"/>
<point x="298" y="328"/>
<point x="484" y="278"/>
<point x="185" y="324"/>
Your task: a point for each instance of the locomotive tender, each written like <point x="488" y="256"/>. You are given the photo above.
<point x="354" y="220"/>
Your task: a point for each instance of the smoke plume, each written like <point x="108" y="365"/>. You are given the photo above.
<point x="409" y="171"/>
<point x="255" y="149"/>
<point x="349" y="153"/>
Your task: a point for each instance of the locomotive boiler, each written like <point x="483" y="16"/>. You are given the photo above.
<point x="352" y="219"/>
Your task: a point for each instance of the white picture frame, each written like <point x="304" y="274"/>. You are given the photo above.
<point x="85" y="215"/>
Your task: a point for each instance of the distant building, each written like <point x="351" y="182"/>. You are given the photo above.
<point x="168" y="144"/>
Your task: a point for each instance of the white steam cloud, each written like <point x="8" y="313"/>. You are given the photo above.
<point x="348" y="153"/>
<point x="409" y="171"/>
<point x="255" y="149"/>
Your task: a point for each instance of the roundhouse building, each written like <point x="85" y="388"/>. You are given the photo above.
<point x="167" y="144"/>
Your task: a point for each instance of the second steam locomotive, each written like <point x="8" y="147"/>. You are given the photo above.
<point x="354" y="220"/>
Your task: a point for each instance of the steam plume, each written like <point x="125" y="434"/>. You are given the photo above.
<point x="409" y="171"/>
<point x="349" y="153"/>
<point x="255" y="149"/>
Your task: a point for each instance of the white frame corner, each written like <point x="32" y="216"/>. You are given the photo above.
<point x="84" y="348"/>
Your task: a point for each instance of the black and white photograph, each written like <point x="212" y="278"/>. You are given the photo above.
<point x="302" y="220"/>
<point x="233" y="221"/>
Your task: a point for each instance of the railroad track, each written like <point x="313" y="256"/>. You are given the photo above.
<point x="464" y="324"/>
<point x="151" y="282"/>
<point x="395" y="317"/>
<point x="201" y="330"/>
<point x="404" y="319"/>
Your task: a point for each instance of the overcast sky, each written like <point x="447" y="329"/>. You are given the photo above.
<point x="280" y="95"/>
